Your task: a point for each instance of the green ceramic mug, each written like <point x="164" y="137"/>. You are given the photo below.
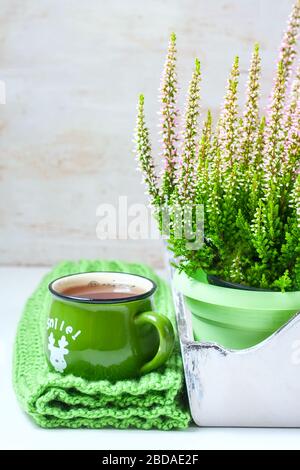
<point x="111" y="338"/>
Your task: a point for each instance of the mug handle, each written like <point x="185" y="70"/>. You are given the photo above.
<point x="166" y="338"/>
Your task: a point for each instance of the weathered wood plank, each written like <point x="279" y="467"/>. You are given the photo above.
<point x="73" y="71"/>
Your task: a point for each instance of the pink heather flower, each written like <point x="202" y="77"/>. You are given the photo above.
<point x="288" y="49"/>
<point x="275" y="129"/>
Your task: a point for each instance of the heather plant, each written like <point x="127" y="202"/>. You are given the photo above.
<point x="244" y="170"/>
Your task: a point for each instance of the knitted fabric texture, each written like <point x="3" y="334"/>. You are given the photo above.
<point x="156" y="400"/>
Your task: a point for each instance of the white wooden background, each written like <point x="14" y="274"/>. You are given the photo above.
<point x="73" y="70"/>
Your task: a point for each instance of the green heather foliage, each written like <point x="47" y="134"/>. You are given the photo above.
<point x="245" y="170"/>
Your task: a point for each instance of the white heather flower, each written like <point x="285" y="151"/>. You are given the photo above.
<point x="295" y="199"/>
<point x="292" y="101"/>
<point x="250" y="125"/>
<point x="169" y="118"/>
<point x="144" y="156"/>
<point x="204" y="159"/>
<point x="228" y="124"/>
<point x="186" y="183"/>
<point x="291" y="153"/>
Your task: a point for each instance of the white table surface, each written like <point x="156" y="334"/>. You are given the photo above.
<point x="17" y="431"/>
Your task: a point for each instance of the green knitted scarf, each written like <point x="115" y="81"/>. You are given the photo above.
<point x="155" y="400"/>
